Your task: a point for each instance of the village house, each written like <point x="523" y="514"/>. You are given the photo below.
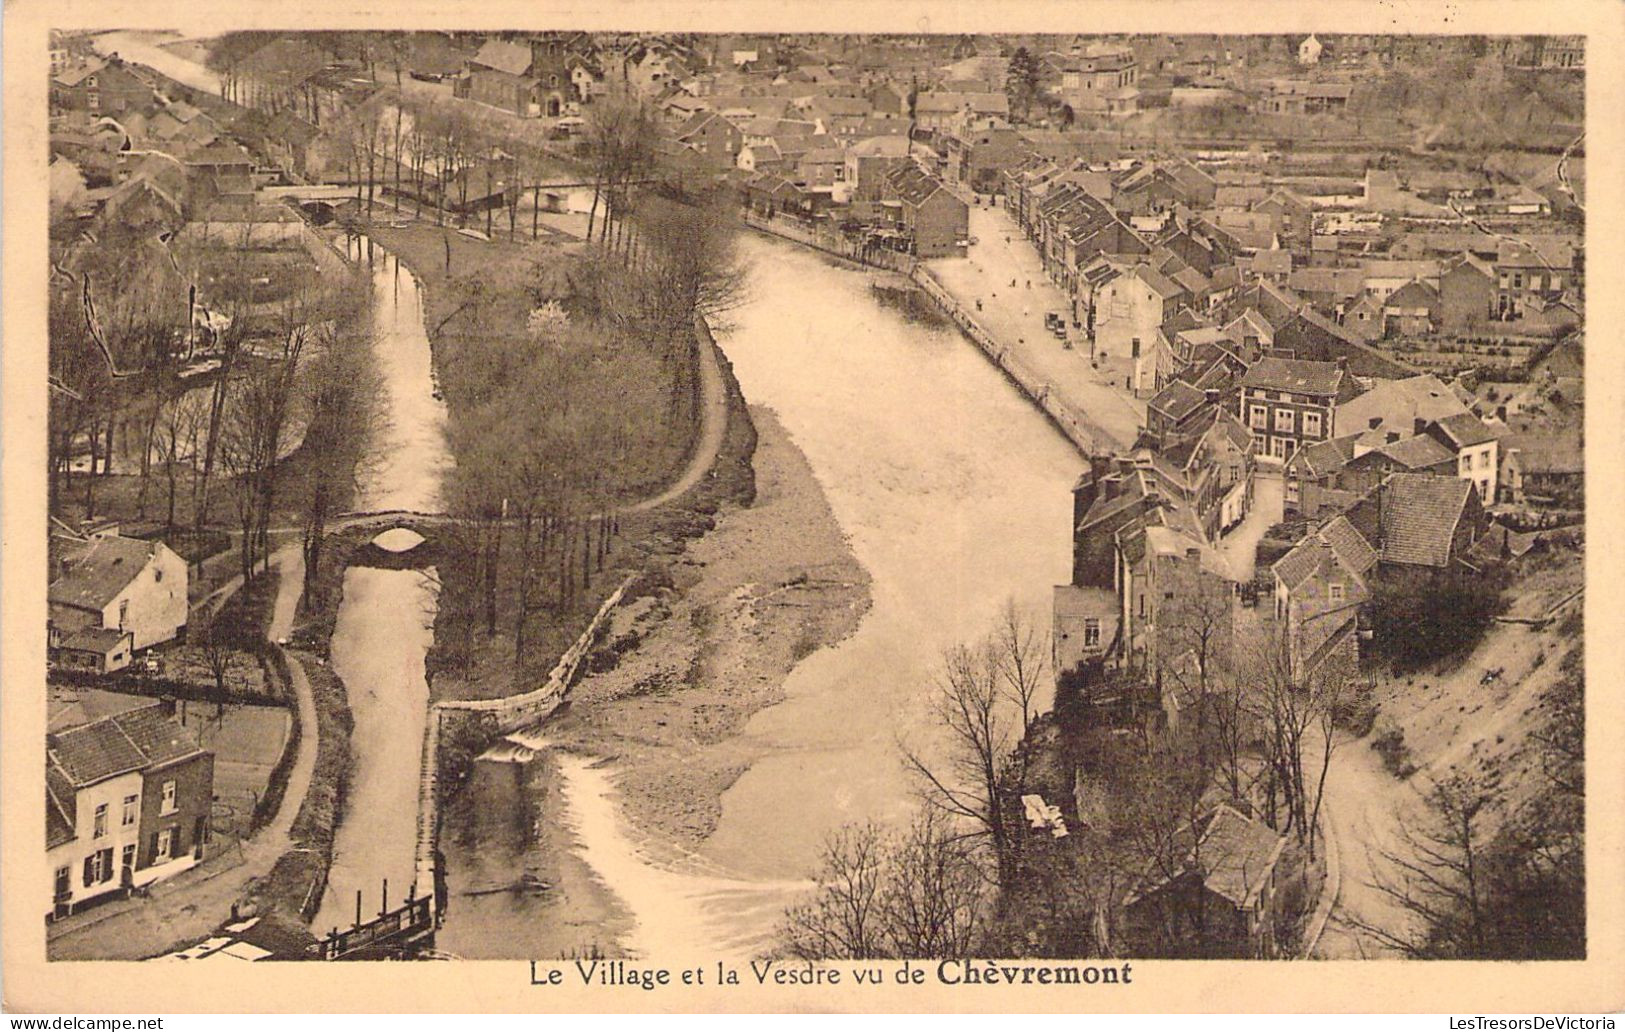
<point x="100" y="87"/>
<point x="936" y="221"/>
<point x="1411" y="311"/>
<point x="1399" y="405"/>
<point x="1129" y="310"/>
<point x="1467" y="295"/>
<point x="1090" y="81"/>
<point x="1476" y="450"/>
<point x="1085" y="625"/>
<point x="1526" y="276"/>
<point x="868" y="162"/>
<point x="111" y="597"/>
<point x="978" y="155"/>
<point x="938" y="112"/>
<point x="1162" y="564"/>
<point x="1416" y="521"/>
<point x="1220" y="902"/>
<point x="714" y="138"/>
<point x="127" y="802"/>
<point x="1319" y="588"/>
<point x="500" y="76"/>
<point x="1299" y="97"/>
<point x="1292" y="402"/>
<point x="1544" y="469"/>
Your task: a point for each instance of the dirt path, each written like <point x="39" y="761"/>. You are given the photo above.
<point x="1450" y="722"/>
<point x="713" y="427"/>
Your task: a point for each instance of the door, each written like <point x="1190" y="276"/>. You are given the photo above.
<point x="62" y="893"/>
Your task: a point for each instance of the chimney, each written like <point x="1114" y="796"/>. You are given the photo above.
<point x="1342" y="363"/>
<point x="1193" y="554"/>
<point x="1374" y="422"/>
<point x="1419" y="425"/>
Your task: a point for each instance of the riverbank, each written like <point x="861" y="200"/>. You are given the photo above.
<point x="771" y="584"/>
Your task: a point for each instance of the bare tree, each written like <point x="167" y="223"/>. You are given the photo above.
<point x="972" y="707"/>
<point x="911" y="894"/>
<point x="218" y="649"/>
<point x="1437" y="876"/>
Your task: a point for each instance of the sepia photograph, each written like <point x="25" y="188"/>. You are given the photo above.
<point x="595" y="497"/>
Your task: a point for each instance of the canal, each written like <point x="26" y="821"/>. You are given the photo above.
<point x="385" y="621"/>
<point x="954" y="492"/>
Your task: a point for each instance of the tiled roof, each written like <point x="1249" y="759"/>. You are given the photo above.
<point x="1397" y="404"/>
<point x="1466" y="430"/>
<point x="1295" y="375"/>
<point x="1178" y="400"/>
<point x="59" y="813"/>
<point x="1352" y="550"/>
<point x="1417" y="452"/>
<point x="103" y="569"/>
<point x="133" y="740"/>
<point x="1419" y="517"/>
<point x="1324" y="457"/>
<point x="913" y="184"/>
<point x="1238" y="855"/>
<point x="1301" y="563"/>
<point x="504" y="57"/>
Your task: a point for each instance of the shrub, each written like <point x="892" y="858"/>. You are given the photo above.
<point x="1396" y="755"/>
<point x="1418" y="618"/>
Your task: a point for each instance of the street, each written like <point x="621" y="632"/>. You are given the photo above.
<point x="1000" y="254"/>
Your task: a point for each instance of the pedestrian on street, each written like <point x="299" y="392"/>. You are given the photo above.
<point x="1029" y="284"/>
<point x="1012" y="282"/>
<point x="978" y="304"/>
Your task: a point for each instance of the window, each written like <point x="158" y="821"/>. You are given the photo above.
<point x="1134" y="348"/>
<point x="1311" y="424"/>
<point x="165" y="844"/>
<point x="128" y="817"/>
<point x="1337" y="594"/>
<point x="157" y="575"/>
<point x="1278" y="447"/>
<point x="1258" y="417"/>
<point x="101" y="821"/>
<point x="99" y="867"/>
<point x="1466" y="463"/>
<point x="123" y="613"/>
<point x="1283" y="420"/>
<point x="1484" y="459"/>
<point x="127" y="858"/>
<point x="168" y="805"/>
<point x="1091" y="633"/>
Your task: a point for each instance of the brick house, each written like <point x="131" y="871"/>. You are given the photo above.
<point x="1289" y="402"/>
<point x="500" y="76"/>
<point x="101" y="88"/>
<point x="1467" y="291"/>
<point x="935" y="219"/>
<point x="715" y="139"/>
<point x="127" y="804"/>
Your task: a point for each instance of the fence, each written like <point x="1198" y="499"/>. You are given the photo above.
<point x="1074" y="426"/>
<point x="511" y="713"/>
<point x="833" y="242"/>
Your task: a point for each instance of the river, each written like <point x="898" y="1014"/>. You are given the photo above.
<point x="954" y="491"/>
<point x="385" y="622"/>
